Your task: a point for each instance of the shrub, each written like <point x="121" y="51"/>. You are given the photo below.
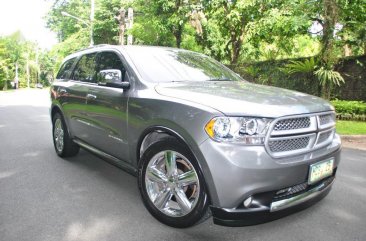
<point x="300" y="66"/>
<point x="350" y="110"/>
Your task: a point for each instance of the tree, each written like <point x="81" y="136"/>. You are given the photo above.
<point x="253" y="22"/>
<point x="166" y="18"/>
<point x="4" y="65"/>
<point x="65" y="26"/>
<point x="352" y="16"/>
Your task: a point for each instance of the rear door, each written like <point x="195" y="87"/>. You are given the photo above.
<point x="107" y="109"/>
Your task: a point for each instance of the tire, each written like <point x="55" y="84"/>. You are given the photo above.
<point x="171" y="184"/>
<point x="64" y="146"/>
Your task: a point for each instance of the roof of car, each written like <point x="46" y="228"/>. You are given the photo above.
<point x="119" y="47"/>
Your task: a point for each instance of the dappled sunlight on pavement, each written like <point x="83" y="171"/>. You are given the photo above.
<point x="6" y="174"/>
<point x="95" y="230"/>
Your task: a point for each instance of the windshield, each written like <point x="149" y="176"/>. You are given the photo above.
<point x="173" y="65"/>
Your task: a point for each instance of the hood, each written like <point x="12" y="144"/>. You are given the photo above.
<point x="244" y="98"/>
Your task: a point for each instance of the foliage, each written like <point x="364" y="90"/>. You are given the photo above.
<point x="352" y="15"/>
<point x="298" y="66"/>
<point x="349" y="107"/>
<point x="236" y="32"/>
<point x="327" y="76"/>
<point x="65" y="26"/>
<point x="162" y="22"/>
<point x="234" y="20"/>
<point x="353" y="70"/>
<point x="32" y="63"/>
<point x="4" y="66"/>
<point x="105" y="26"/>
<point x="327" y="79"/>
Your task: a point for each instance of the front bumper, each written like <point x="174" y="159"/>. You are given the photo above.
<point x="276" y="209"/>
<point x="239" y="172"/>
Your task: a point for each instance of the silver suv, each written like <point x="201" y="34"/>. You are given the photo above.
<point x="201" y="140"/>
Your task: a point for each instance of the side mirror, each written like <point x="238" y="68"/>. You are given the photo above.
<point x="112" y="78"/>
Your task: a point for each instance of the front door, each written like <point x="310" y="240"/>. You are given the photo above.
<point x="107" y="110"/>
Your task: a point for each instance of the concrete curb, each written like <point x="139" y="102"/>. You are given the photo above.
<point x="356" y="137"/>
<point x="354" y="141"/>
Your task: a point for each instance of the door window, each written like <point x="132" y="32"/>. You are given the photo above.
<point x="85" y="69"/>
<point x="65" y="69"/>
<point x="109" y="61"/>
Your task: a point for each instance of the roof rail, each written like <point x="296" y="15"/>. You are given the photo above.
<point x="91" y="47"/>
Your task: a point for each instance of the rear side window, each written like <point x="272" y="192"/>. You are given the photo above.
<point x="65" y="69"/>
<point x="85" y="69"/>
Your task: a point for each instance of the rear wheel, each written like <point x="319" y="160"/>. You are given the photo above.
<point x="171" y="184"/>
<point x="63" y="144"/>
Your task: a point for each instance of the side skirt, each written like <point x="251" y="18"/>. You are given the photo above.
<point x="109" y="158"/>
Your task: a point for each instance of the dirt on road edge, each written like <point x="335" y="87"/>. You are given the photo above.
<point x="354" y="141"/>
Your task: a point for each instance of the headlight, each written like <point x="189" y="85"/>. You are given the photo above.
<point x="246" y="130"/>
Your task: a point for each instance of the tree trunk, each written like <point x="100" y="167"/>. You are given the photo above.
<point x="28" y="73"/>
<point x="236" y="43"/>
<point x="330" y="20"/>
<point x="16" y="81"/>
<point x="178" y="35"/>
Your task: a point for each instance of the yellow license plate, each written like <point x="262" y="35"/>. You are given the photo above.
<point x="320" y="170"/>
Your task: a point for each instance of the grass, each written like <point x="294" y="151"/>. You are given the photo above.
<point x="351" y="127"/>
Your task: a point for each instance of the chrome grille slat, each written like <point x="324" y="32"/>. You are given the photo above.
<point x="323" y="136"/>
<point x="294" y="135"/>
<point x="325" y="119"/>
<point x="285" y="145"/>
<point x="293" y="123"/>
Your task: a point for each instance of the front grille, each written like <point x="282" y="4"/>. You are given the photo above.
<point x="324" y="136"/>
<point x="292" y="124"/>
<point x="300" y="188"/>
<point x="286" y="192"/>
<point x="326" y="119"/>
<point x="289" y="144"/>
<point x="299" y="134"/>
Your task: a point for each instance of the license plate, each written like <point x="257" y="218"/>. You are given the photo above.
<point x="320" y="170"/>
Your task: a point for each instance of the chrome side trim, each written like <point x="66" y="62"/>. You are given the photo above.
<point x="298" y="199"/>
<point x="111" y="159"/>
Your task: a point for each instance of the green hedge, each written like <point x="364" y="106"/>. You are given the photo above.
<point x="350" y="110"/>
<point x="352" y="69"/>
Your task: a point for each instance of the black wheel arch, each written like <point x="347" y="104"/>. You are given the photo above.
<point x="166" y="131"/>
<point x="57" y="109"/>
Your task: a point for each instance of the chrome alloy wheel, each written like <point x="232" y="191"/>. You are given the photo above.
<point x="172" y="183"/>
<point x="58" y="135"/>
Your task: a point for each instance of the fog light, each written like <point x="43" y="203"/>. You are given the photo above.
<point x="247" y="202"/>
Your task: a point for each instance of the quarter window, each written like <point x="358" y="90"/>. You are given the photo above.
<point x="85" y="69"/>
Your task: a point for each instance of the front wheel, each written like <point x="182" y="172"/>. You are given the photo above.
<point x="171" y="184"/>
<point x="64" y="146"/>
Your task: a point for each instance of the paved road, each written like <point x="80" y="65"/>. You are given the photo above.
<point x="43" y="197"/>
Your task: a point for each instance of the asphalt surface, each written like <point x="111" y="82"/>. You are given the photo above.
<point x="44" y="197"/>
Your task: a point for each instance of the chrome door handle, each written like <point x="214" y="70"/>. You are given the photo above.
<point x="91" y="97"/>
